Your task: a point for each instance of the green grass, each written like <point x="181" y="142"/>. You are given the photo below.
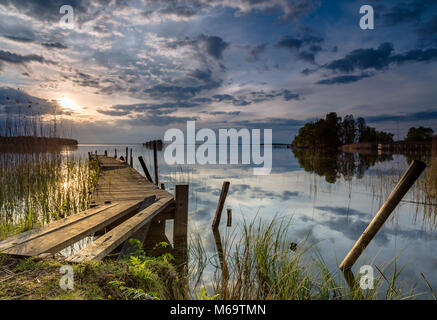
<point x="259" y="265"/>
<point x="137" y="277"/>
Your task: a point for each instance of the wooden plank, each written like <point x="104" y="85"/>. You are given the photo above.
<point x="107" y="243"/>
<point x="61" y="238"/>
<point x="55" y="225"/>
<point x="140" y="234"/>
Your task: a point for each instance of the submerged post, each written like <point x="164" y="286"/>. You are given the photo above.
<point x="221" y="203"/>
<point x="407" y="180"/>
<point x="155" y="161"/>
<point x="146" y="172"/>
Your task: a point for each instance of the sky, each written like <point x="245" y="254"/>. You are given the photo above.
<point x="129" y="70"/>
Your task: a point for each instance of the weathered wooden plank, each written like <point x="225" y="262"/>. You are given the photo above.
<point x="61" y="223"/>
<point x="62" y="237"/>
<point x="107" y="243"/>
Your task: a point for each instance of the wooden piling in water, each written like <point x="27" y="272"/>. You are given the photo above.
<point x="155" y="161"/>
<point x="127" y="155"/>
<point x="220" y="205"/>
<point x="180" y="227"/>
<point x="115" y="153"/>
<point x="131" y="158"/>
<point x="407" y="180"/>
<point x="229" y="222"/>
<point x="146" y="172"/>
<point x="106" y="153"/>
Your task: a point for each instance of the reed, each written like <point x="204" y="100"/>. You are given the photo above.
<point x="36" y="188"/>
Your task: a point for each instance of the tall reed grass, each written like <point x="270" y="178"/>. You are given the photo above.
<point x="36" y="188"/>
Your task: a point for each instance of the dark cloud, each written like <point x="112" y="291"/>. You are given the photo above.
<point x="47" y="10"/>
<point x="54" y="45"/>
<point x="414" y="116"/>
<point x="363" y="59"/>
<point x="181" y="11"/>
<point x="305" y="47"/>
<point x="213" y="45"/>
<point x="14" y="58"/>
<point x="344" y="79"/>
<point x="255" y="52"/>
<point x="404" y="12"/>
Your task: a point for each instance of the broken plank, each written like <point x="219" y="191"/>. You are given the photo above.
<point x="55" y="225"/>
<point x="65" y="236"/>
<point x="106" y="244"/>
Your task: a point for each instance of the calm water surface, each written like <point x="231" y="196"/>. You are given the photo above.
<point x="330" y="201"/>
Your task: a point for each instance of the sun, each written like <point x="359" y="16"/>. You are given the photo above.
<point x="67" y="103"/>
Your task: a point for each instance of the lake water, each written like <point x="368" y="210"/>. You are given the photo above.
<point x="330" y="200"/>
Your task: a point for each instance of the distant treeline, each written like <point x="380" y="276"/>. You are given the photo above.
<point x="333" y="131"/>
<point x="36" y="141"/>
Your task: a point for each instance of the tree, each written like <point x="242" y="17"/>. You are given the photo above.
<point x="419" y="134"/>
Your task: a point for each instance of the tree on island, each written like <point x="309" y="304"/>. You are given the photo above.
<point x="333" y="131"/>
<point x="420" y="134"/>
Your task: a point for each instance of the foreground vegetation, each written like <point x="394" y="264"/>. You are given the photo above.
<point x="137" y="277"/>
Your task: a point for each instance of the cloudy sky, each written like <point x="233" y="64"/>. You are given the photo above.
<point x="130" y="69"/>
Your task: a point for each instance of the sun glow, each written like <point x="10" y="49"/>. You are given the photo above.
<point x="67" y="103"/>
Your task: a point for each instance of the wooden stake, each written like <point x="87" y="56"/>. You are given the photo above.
<point x="146" y="172"/>
<point x="127" y="154"/>
<point x="180" y="228"/>
<point x="131" y="159"/>
<point x="408" y="179"/>
<point x="229" y="223"/>
<point x="155" y="161"/>
<point x="115" y="153"/>
<point x="220" y="205"/>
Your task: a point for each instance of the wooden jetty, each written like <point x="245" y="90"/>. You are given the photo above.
<point x="124" y="205"/>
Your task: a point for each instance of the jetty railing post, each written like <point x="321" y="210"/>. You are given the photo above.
<point x="146" y="172"/>
<point x="131" y="158"/>
<point x="220" y="205"/>
<point x="127" y="155"/>
<point x="180" y="226"/>
<point x="407" y="180"/>
<point x="155" y="161"/>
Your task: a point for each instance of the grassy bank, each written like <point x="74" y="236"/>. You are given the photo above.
<point x="136" y="278"/>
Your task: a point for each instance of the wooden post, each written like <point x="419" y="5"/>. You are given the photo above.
<point x="155" y="161"/>
<point x="106" y="153"/>
<point x="162" y="186"/>
<point x="131" y="159"/>
<point x="127" y="155"/>
<point x="229" y="223"/>
<point x="407" y="180"/>
<point x="220" y="205"/>
<point x="222" y="259"/>
<point x="115" y="153"/>
<point x="180" y="227"/>
<point x="146" y="172"/>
